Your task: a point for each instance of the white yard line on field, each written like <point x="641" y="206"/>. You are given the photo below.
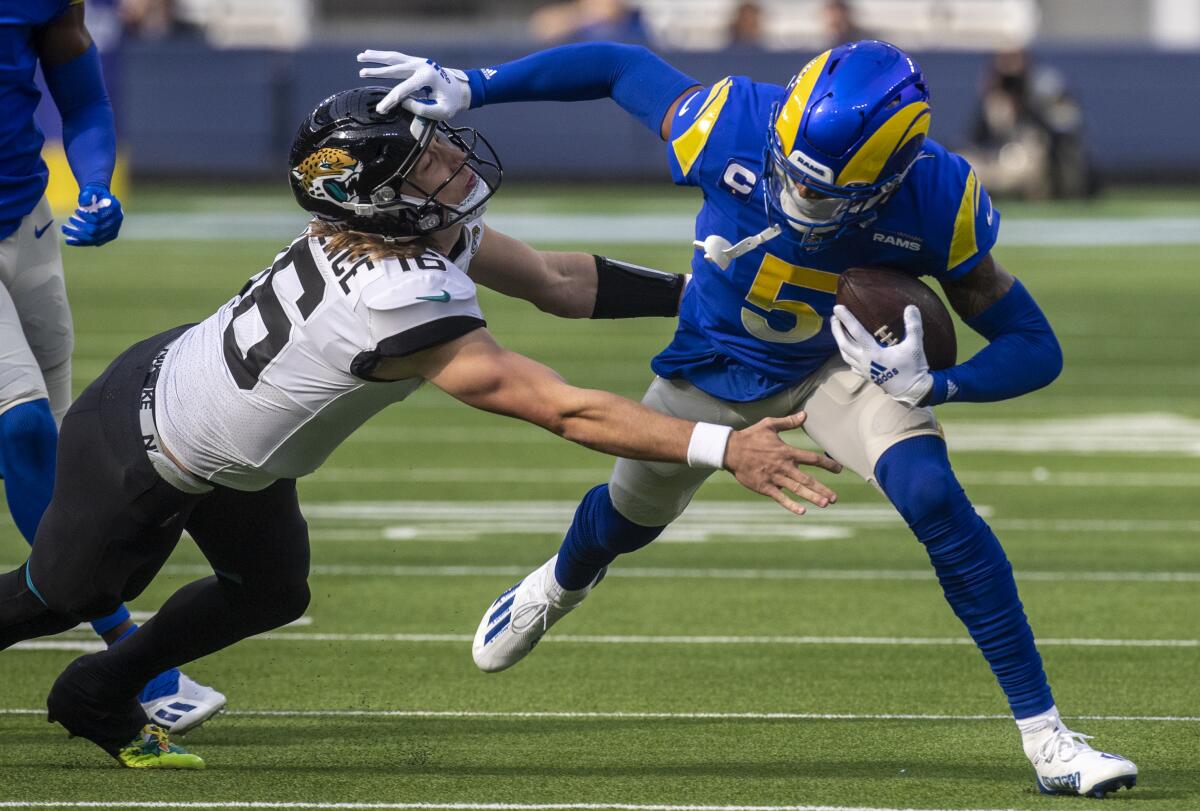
<point x="617" y="715"/>
<point x="612" y="228"/>
<point x="1140" y="433"/>
<point x="642" y="639"/>
<point x="703" y="522"/>
<point x="1031" y="477"/>
<point x="426" y="806"/>
<point x="668" y="573"/>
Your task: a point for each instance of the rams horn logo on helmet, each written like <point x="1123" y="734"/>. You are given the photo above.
<point x="328" y="174"/>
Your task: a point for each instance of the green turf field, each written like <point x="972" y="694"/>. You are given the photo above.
<point x="749" y="658"/>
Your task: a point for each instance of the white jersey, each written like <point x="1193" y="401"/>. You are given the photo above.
<point x="270" y="384"/>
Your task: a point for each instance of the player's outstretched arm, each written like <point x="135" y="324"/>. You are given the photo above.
<point x="574" y="285"/>
<point x="634" y="77"/>
<point x="477" y="371"/>
<point x="1022" y="353"/>
<point x="71" y="65"/>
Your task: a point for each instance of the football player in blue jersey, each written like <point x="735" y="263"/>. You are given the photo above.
<point x="801" y="183"/>
<point x="36" y="336"/>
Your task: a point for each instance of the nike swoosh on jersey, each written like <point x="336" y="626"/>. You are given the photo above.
<point x="37" y="232"/>
<point x="688" y="103"/>
<point x="444" y="296"/>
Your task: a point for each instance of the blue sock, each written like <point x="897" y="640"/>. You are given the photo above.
<point x="975" y="574"/>
<point x="597" y="535"/>
<point x="105" y="624"/>
<point x="28" y="443"/>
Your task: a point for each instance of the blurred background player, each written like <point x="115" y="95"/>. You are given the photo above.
<point x="849" y="179"/>
<point x="36" y="335"/>
<point x="1027" y="140"/>
<point x="207" y="427"/>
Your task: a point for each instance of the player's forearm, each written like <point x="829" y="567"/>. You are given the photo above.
<point x="619" y="427"/>
<point x="89" y="132"/>
<point x="639" y="81"/>
<point x="587" y="286"/>
<point x="1022" y="354"/>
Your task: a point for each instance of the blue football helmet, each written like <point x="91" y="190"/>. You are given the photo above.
<point x="854" y="121"/>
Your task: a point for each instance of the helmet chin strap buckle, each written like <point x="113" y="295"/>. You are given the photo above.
<point x="718" y="250"/>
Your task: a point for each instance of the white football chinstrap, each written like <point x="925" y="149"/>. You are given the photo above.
<point x="517" y="620"/>
<point x="185" y="709"/>
<point x="1065" y="764"/>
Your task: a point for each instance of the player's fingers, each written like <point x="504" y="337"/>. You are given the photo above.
<point x="779" y="497"/>
<point x="427" y="108"/>
<point x="852" y="326"/>
<point x="799" y="456"/>
<point x="912" y="323"/>
<point x="384" y="57"/>
<point x="797" y="486"/>
<point x="788" y="423"/>
<point x="401" y="91"/>
<point x="392" y="72"/>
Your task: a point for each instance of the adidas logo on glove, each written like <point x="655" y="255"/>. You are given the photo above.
<point x="880" y="374"/>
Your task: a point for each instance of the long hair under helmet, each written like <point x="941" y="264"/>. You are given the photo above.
<point x="852" y="124"/>
<point x="349" y="165"/>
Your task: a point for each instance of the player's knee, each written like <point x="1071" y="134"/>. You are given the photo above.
<point x="77" y="601"/>
<point x="917" y="478"/>
<point x="646" y="510"/>
<point x="28" y="437"/>
<point x="285" y="602"/>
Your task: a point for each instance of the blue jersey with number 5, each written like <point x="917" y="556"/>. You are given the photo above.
<point x="763" y="325"/>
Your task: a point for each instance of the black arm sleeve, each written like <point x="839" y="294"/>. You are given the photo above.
<point x="632" y="291"/>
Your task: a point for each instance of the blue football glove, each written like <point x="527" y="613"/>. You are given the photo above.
<point x="98" y="218"/>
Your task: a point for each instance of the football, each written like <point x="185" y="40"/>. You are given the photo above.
<point x="877" y="298"/>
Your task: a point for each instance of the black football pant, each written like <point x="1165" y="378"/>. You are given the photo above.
<point x="111" y="525"/>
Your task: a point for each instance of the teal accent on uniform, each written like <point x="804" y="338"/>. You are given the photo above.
<point x="33" y="588"/>
<point x="443" y="297"/>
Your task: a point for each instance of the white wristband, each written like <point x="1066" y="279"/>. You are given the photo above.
<point x="707" y="448"/>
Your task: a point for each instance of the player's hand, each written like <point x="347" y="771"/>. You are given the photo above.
<point x="900" y="370"/>
<point x="764" y="463"/>
<point x="98" y="218"/>
<point x="426" y="88"/>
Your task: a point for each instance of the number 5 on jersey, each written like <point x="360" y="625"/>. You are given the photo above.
<point x="768" y="284"/>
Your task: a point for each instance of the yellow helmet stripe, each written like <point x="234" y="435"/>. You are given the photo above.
<point x="690" y="144"/>
<point x="907" y="123"/>
<point x="962" y="244"/>
<point x="787" y="124"/>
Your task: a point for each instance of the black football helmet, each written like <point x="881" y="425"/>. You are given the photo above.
<point x="348" y="163"/>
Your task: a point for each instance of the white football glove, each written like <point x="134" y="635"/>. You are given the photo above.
<point x="901" y="369"/>
<point x="426" y="88"/>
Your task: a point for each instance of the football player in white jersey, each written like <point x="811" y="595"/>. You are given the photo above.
<point x="207" y="427"/>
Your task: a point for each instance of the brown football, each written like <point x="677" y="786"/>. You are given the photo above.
<point x="877" y="298"/>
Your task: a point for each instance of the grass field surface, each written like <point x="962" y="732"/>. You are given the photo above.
<point x="748" y="658"/>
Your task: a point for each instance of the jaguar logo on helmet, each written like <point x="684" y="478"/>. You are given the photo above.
<point x="329" y="174"/>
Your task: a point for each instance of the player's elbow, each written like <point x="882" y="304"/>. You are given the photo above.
<point x="568" y="417"/>
<point x="563" y="295"/>
<point x="1048" y="359"/>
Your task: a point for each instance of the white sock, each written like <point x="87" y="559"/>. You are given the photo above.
<point x="1034" y="728"/>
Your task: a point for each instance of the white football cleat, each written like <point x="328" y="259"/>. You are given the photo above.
<point x="189" y="706"/>
<point x="517" y="620"/>
<point x="1065" y="764"/>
